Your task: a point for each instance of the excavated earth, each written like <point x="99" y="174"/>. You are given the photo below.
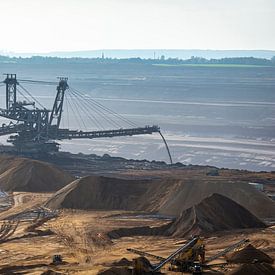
<point x="213" y="214"/>
<point x="253" y="269"/>
<point x="21" y="174"/>
<point x="99" y="192"/>
<point x="168" y="204"/>
<point x="162" y="196"/>
<point x="216" y="213"/>
<point x="248" y="255"/>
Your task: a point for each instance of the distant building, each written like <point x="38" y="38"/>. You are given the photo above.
<point x="258" y="186"/>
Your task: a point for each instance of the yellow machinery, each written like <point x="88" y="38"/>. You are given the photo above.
<point x="188" y="258"/>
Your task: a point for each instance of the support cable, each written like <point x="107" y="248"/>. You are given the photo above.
<point x="25" y="90"/>
<point x="22" y="94"/>
<point x="98" y="112"/>
<point x="80" y="108"/>
<point x="92" y="117"/>
<point x="77" y="111"/>
<point x="77" y="120"/>
<point x="107" y="109"/>
<point x="109" y="120"/>
<point x="102" y="115"/>
<point x="67" y="110"/>
<point x="102" y="112"/>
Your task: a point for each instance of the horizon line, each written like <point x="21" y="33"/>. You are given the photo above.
<point x="127" y="49"/>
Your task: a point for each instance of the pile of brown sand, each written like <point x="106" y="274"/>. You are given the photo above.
<point x="172" y="197"/>
<point x="216" y="213"/>
<point x="164" y="196"/>
<point x="249" y="254"/>
<point x="123" y="262"/>
<point x="99" y="192"/>
<point x="21" y="174"/>
<point x="253" y="269"/>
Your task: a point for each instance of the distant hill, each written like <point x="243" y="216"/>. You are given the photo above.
<point x="155" y="53"/>
<point x="194" y="60"/>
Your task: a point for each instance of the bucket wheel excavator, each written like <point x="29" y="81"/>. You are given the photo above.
<point x="34" y="129"/>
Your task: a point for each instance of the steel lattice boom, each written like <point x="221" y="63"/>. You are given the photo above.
<point x="37" y="129"/>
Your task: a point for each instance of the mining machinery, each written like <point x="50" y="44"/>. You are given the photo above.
<point x="190" y="257"/>
<point x="34" y="129"/>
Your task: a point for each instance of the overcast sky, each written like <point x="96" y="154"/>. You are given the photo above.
<point x="72" y="25"/>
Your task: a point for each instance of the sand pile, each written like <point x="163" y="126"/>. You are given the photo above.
<point x="123" y="262"/>
<point x="164" y="196"/>
<point x="216" y="213"/>
<point x="98" y="192"/>
<point x="253" y="269"/>
<point x="21" y="174"/>
<point x="249" y="255"/>
<point x="172" y="197"/>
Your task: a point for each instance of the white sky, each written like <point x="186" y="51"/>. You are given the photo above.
<point x="71" y="25"/>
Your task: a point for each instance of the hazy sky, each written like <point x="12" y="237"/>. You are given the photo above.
<point x="68" y="25"/>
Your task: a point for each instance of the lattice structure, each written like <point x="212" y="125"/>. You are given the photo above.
<point x="38" y="129"/>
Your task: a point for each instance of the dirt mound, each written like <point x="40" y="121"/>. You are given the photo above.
<point x="216" y="213"/>
<point x="20" y="174"/>
<point x="253" y="269"/>
<point x="163" y="196"/>
<point x="249" y="255"/>
<point x="172" y="197"/>
<point x="98" y="192"/>
<point x="143" y="264"/>
<point x="123" y="262"/>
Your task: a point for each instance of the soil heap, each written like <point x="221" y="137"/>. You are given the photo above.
<point x="216" y="213"/>
<point x="99" y="192"/>
<point x="172" y="197"/>
<point x="21" y="174"/>
<point x="249" y="254"/>
<point x="164" y="196"/>
<point x="253" y="269"/>
<point x="123" y="262"/>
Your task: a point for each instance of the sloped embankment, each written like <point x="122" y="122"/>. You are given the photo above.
<point x="21" y="174"/>
<point x="249" y="254"/>
<point x="164" y="196"/>
<point x="172" y="197"/>
<point x="98" y="192"/>
<point x="253" y="269"/>
<point x="215" y="213"/>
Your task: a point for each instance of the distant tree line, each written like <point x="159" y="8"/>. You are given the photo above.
<point x="161" y="60"/>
